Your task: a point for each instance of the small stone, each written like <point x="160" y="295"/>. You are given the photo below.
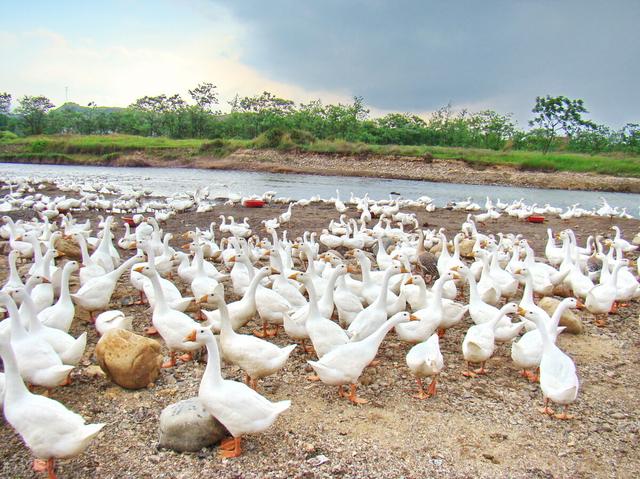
<point x="318" y="460"/>
<point x="617" y="415"/>
<point x="491" y="457"/>
<point x="94" y="371"/>
<point x="568" y="319"/>
<point x="130" y="360"/>
<point x="188" y="426"/>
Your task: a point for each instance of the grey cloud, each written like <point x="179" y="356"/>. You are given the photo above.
<point x="419" y="55"/>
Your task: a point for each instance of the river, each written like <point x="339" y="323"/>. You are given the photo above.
<point x="169" y="181"/>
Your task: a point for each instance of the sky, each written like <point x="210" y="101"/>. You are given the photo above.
<point x="401" y="56"/>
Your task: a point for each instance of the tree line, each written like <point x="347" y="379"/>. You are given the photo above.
<point x="558" y="122"/>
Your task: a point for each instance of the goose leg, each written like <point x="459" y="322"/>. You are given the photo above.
<point x="341" y="392"/>
<point x="171" y="362"/>
<point x="51" y="468"/>
<point x="469" y="373"/>
<point x="482" y="370"/>
<point x="546" y="409"/>
<point x="441" y="332"/>
<point x="48" y="466"/>
<point x="227" y="444"/>
<point x="150" y="331"/>
<point x="353" y="397"/>
<point x="186" y="357"/>
<point x="431" y="390"/>
<point x="264" y="333"/>
<point x="601" y="320"/>
<point x="235" y="452"/>
<point x="564" y="415"/>
<point x="308" y="348"/>
<point x="141" y="300"/>
<point x="272" y="333"/>
<point x="421" y="392"/>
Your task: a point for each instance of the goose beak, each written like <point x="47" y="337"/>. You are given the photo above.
<point x="45" y="281"/>
<point x="184" y="235"/>
<point x="294" y="275"/>
<point x="191" y="336"/>
<point x="351" y="269"/>
<point x="413" y="317"/>
<point x="202" y="299"/>
<point x="267" y="253"/>
<point x="456" y="276"/>
<point x="404" y="270"/>
<point x="186" y="246"/>
<point x="138" y="269"/>
<point x="410" y="280"/>
<point x="521" y="311"/>
<point x="274" y="271"/>
<point x="232" y="259"/>
<point x="580" y="305"/>
<point x="518" y="271"/>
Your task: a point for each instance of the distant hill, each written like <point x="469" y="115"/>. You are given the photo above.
<point x="71" y="106"/>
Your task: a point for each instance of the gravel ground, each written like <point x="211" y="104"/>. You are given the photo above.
<point x="483" y="427"/>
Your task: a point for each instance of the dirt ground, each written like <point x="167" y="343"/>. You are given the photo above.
<point x="483" y="427"/>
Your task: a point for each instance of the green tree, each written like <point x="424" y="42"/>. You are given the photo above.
<point x="558" y="115"/>
<point x="206" y="98"/>
<point x="33" y="112"/>
<point x="5" y="106"/>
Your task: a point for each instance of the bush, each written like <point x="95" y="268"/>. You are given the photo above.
<point x="7" y="135"/>
<point x="218" y="148"/>
<point x="39" y="146"/>
<point x="283" y="139"/>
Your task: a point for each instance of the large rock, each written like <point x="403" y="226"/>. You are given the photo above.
<point x="568" y="319"/>
<point x="188" y="426"/>
<point x="130" y="360"/>
<point x="69" y="247"/>
<point x="466" y="247"/>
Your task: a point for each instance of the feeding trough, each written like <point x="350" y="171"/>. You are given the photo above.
<point x="253" y="203"/>
<point x="535" y="219"/>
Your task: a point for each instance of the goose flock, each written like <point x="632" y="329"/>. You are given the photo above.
<point x="336" y="294"/>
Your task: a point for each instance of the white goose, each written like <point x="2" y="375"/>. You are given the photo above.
<point x="69" y="349"/>
<point x="96" y="293"/>
<point x="61" y="314"/>
<point x="425" y="359"/>
<point x="374" y="315"/>
<point x="37" y="361"/>
<point x="558" y="379"/>
<point x="238" y="407"/>
<point x="171" y="324"/>
<point x="257" y="357"/>
<point x="344" y="364"/>
<point x="49" y="429"/>
<point x="240" y="312"/>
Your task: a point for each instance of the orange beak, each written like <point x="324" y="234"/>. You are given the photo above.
<point x="138" y="269"/>
<point x="45" y="281"/>
<point x="413" y="317"/>
<point x="232" y="259"/>
<point x="580" y="305"/>
<point x="186" y="246"/>
<point x="191" y="336"/>
<point x="410" y="280"/>
<point x="294" y="275"/>
<point x="203" y="299"/>
<point x="352" y="269"/>
<point x="404" y="270"/>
